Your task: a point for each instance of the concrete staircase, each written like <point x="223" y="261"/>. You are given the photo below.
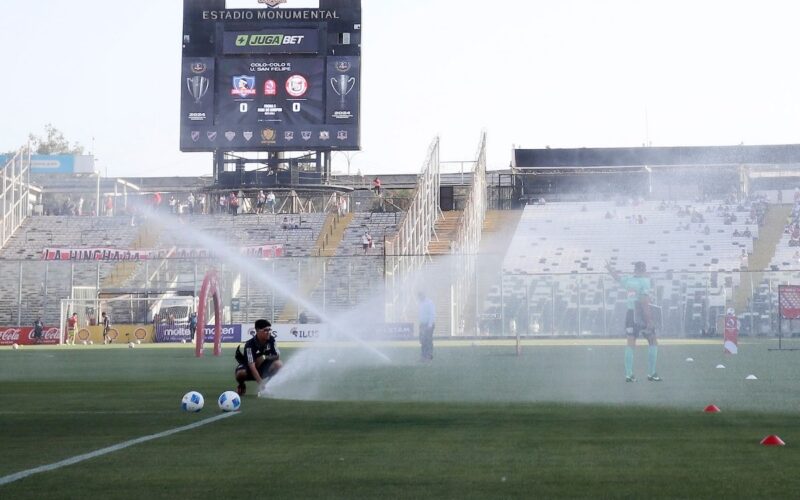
<point x="763" y="251"/>
<point x="332" y="234"/>
<point x="327" y="242"/>
<point x="446" y="228"/>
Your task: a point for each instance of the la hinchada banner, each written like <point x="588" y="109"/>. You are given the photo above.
<point x="118" y="254"/>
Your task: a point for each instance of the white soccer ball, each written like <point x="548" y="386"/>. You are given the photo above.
<point x="131" y="345"/>
<point x="183" y="341"/>
<point x="15" y="346"/>
<point x="229" y="401"/>
<point x="192" y="402"/>
<point x="138" y="341"/>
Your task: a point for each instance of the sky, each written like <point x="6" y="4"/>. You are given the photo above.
<point x="557" y="73"/>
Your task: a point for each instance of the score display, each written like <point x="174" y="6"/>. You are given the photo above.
<point x="271" y="78"/>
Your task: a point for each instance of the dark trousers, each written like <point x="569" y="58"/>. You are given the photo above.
<point x="426" y="341"/>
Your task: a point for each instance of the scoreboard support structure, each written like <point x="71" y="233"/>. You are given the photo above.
<point x="281" y="78"/>
<point x="277" y="169"/>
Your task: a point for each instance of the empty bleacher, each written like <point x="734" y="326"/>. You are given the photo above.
<point x="555" y="280"/>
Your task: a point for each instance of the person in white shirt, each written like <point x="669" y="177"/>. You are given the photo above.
<point x="366" y="242"/>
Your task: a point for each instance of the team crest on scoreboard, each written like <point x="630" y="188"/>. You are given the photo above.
<point x="324" y="135"/>
<point x="342" y="66"/>
<point x="195" y="135"/>
<point x="230" y="134"/>
<point x="247" y="134"/>
<point x="288" y="135"/>
<point x="198" y="68"/>
<point x="296" y="85"/>
<point x="305" y="134"/>
<point x="268" y="136"/>
<point x="341" y="135"/>
<point x="212" y="136"/>
<point x="244" y="85"/>
<point x="272" y="3"/>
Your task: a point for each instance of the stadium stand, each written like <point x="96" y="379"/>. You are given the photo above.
<point x="554" y="270"/>
<point x="44" y="284"/>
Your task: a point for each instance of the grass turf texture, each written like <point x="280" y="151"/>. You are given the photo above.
<point x="479" y="422"/>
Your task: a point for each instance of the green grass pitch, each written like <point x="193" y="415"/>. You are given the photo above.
<point x="478" y="422"/>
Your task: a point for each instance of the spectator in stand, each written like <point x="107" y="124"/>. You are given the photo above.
<point x="286" y="224"/>
<point x="223" y="203"/>
<point x="261" y="199"/>
<point x="736" y="233"/>
<point x="233" y="203"/>
<point x="173" y="204"/>
<point x="747" y="233"/>
<point x="366" y="241"/>
<point x="202" y="204"/>
<point x="190" y="203"/>
<point x="271" y="201"/>
<point x="109" y="206"/>
<point x="80" y="205"/>
<point x="157" y="201"/>
<point x="743" y="260"/>
<point x="376" y="186"/>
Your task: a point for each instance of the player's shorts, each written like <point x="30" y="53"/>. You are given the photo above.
<point x="632" y="329"/>
<point x="263" y="370"/>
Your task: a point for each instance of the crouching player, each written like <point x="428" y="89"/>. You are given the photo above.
<point x="260" y="359"/>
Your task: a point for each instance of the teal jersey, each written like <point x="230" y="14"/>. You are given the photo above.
<point x="637" y="287"/>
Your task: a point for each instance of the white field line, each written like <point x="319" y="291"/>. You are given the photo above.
<point x="110" y="449"/>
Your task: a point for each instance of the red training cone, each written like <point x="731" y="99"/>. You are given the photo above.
<point x="711" y="409"/>
<point x="772" y="440"/>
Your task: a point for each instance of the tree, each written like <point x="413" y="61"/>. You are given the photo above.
<point x="54" y="143"/>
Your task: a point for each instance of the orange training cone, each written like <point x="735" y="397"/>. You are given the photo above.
<point x="711" y="409"/>
<point x="772" y="440"/>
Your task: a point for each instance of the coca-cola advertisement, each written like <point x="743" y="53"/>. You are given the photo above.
<point x="23" y="335"/>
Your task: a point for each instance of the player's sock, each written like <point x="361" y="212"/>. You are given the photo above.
<point x="628" y="361"/>
<point x="652" y="356"/>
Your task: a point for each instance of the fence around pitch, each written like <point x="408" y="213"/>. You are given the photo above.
<point x="277" y="288"/>
<point x="693" y="304"/>
<point x="281" y="289"/>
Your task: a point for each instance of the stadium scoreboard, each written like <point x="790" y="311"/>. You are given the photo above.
<point x="275" y="75"/>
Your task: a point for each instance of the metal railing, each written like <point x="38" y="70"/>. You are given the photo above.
<point x="15" y="197"/>
<point x="467" y="242"/>
<point x="407" y="250"/>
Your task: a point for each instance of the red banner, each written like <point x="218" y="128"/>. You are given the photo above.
<point x="117" y="255"/>
<point x="789" y="301"/>
<point x="23" y="335"/>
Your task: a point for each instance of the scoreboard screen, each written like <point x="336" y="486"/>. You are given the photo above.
<point x="277" y="75"/>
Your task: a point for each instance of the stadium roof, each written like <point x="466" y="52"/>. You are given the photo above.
<point x="680" y="156"/>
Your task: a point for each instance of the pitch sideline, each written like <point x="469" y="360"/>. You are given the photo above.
<point x="109" y="449"/>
